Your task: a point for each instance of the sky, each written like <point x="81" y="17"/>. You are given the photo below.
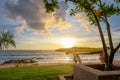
<point x="34" y="29"/>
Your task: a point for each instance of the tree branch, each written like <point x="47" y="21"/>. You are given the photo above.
<point x="108" y="26"/>
<point x="113" y="53"/>
<point x="117" y="47"/>
<point x="99" y="28"/>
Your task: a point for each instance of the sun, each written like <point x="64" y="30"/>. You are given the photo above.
<point x="67" y="42"/>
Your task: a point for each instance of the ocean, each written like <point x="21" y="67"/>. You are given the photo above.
<point x="47" y="56"/>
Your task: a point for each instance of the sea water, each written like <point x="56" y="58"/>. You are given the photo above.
<point x="47" y="56"/>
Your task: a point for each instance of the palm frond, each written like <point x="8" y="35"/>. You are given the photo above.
<point x="6" y="40"/>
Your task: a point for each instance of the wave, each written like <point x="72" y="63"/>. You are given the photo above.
<point x="47" y="56"/>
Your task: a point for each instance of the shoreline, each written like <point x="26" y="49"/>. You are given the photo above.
<point x="12" y="65"/>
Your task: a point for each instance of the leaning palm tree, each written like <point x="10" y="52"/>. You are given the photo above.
<point x="6" y="40"/>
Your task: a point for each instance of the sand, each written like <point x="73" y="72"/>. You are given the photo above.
<point x="10" y="65"/>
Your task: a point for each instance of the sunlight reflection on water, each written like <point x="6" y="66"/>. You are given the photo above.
<point x="47" y="56"/>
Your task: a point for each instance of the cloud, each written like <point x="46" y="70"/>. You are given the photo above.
<point x="1" y="30"/>
<point x="84" y="22"/>
<point x="117" y="30"/>
<point x="21" y="26"/>
<point x="61" y="12"/>
<point x="33" y="13"/>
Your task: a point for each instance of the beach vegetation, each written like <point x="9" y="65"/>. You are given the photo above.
<point x="6" y="39"/>
<point x="98" y="13"/>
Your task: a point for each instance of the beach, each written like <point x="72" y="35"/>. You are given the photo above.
<point x="11" y="65"/>
<point x="13" y="58"/>
<point x="39" y="71"/>
<point x="47" y="56"/>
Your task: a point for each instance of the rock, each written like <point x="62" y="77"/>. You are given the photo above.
<point x="20" y="61"/>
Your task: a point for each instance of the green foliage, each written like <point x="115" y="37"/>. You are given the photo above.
<point x="50" y="6"/>
<point x="99" y="11"/>
<point x="35" y="72"/>
<point x="6" y="39"/>
<point x="118" y="1"/>
<point x="91" y="7"/>
<point x="88" y="7"/>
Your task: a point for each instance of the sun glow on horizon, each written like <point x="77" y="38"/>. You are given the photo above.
<point x="67" y="42"/>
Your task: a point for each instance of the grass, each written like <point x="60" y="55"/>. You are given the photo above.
<point x="35" y="72"/>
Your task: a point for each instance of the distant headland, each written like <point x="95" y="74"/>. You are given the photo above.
<point x="80" y="49"/>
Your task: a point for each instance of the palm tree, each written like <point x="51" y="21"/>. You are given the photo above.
<point x="6" y="40"/>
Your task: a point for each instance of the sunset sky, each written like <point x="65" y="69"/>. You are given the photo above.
<point x="36" y="30"/>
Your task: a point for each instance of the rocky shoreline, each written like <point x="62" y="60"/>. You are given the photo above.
<point x="20" y="61"/>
